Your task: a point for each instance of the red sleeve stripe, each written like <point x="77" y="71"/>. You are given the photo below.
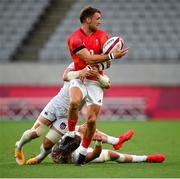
<point x="78" y="48"/>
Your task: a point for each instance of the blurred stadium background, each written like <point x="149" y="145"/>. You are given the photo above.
<point x="34" y="54"/>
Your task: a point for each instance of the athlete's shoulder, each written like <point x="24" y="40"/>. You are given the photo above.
<point x="76" y="33"/>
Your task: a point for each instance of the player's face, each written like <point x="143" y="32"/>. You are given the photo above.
<point x="94" y="22"/>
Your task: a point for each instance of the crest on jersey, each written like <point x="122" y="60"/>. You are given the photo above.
<point x="62" y="125"/>
<point x="46" y="113"/>
<point x="97" y="42"/>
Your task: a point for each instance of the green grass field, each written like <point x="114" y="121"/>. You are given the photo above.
<point x="150" y="137"/>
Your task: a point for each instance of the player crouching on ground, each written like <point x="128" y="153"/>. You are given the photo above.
<point x="69" y="154"/>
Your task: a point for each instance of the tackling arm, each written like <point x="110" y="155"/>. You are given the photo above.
<point x="95" y="153"/>
<point x="70" y="74"/>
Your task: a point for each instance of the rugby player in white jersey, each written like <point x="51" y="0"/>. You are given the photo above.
<point x="54" y="115"/>
<point x="70" y="154"/>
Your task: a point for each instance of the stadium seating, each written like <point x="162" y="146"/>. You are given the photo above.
<point x="17" y="19"/>
<point x="150" y="28"/>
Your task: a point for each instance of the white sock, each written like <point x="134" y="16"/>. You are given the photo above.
<point x="43" y="153"/>
<point x="135" y="158"/>
<point x="82" y="150"/>
<point x="112" y="140"/>
<point x="71" y="134"/>
<point x="139" y="158"/>
<point x="26" y="137"/>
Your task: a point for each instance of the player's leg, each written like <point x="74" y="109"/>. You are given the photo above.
<point x="92" y="113"/>
<point x="99" y="134"/>
<point x="109" y="155"/>
<point x="128" y="158"/>
<point x="37" y="130"/>
<point x="94" y="102"/>
<point x="76" y="94"/>
<point x="53" y="136"/>
<point x="115" y="141"/>
<point x="45" y="119"/>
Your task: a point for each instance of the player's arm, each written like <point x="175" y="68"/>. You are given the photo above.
<point x="77" y="47"/>
<point x="102" y="65"/>
<point x="70" y="74"/>
<point x="104" y="81"/>
<point x="85" y="54"/>
<point x="95" y="153"/>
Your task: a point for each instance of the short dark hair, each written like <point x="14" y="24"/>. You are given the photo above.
<point x="88" y="11"/>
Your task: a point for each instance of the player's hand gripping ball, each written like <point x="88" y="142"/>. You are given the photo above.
<point x="113" y="43"/>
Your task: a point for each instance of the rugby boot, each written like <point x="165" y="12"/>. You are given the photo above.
<point x="127" y="136"/>
<point x="156" y="158"/>
<point x="19" y="155"/>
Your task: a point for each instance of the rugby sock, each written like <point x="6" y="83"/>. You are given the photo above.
<point x="71" y="125"/>
<point x="26" y="137"/>
<point x="82" y="150"/>
<point x="139" y="158"/>
<point x="135" y="158"/>
<point x="112" y="140"/>
<point x="43" y="153"/>
<point x="86" y="142"/>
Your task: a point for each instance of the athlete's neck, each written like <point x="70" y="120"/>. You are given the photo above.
<point x="86" y="30"/>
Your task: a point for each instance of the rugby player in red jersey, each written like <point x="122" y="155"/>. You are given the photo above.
<point x="85" y="46"/>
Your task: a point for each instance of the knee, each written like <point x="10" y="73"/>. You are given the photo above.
<point x="30" y="134"/>
<point x="47" y="144"/>
<point x="74" y="104"/>
<point x="39" y="129"/>
<point x="91" y="120"/>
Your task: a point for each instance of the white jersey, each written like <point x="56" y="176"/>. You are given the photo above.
<point x="63" y="94"/>
<point x="56" y="109"/>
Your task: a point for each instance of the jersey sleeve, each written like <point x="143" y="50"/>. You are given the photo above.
<point x="75" y="44"/>
<point x="71" y="66"/>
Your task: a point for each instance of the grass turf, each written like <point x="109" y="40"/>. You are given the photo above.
<point x="150" y="137"/>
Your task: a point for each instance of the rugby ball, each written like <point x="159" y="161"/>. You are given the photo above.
<point x="112" y="43"/>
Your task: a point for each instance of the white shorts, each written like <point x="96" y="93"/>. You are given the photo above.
<point x="78" y="83"/>
<point x="91" y="91"/>
<point x="61" y="125"/>
<point x="54" y="110"/>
